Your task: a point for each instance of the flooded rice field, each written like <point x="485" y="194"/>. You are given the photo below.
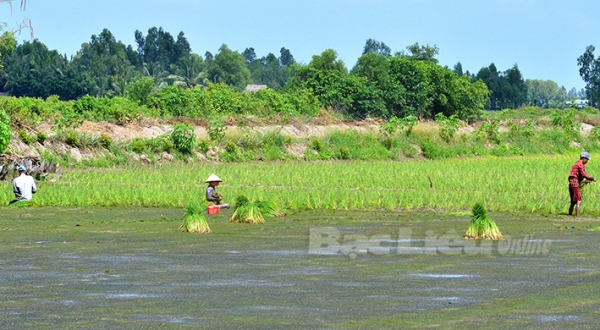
<point x="130" y="268"/>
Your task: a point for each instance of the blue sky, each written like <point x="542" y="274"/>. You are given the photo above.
<point x="544" y="37"/>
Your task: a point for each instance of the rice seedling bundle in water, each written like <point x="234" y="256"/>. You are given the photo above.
<point x="269" y="209"/>
<point x="194" y="220"/>
<point x="247" y="211"/>
<point x="482" y="227"/>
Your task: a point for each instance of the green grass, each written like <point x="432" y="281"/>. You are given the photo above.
<point x="531" y="184"/>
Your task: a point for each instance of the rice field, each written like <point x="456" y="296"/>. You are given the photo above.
<point x="530" y="184"/>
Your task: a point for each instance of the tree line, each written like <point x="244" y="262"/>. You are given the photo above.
<point x="380" y="84"/>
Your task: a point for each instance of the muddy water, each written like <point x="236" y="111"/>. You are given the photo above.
<point x="130" y="268"/>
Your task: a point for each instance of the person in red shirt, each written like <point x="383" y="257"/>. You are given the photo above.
<point x="577" y="175"/>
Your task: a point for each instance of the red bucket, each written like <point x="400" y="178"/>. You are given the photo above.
<point x="213" y="209"/>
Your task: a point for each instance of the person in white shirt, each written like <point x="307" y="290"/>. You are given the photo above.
<point x="23" y="186"/>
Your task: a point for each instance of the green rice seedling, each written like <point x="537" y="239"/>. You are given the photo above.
<point x="194" y="220"/>
<point x="482" y="227"/>
<point x="269" y="209"/>
<point x="240" y="201"/>
<point x="23" y="204"/>
<point x="247" y="211"/>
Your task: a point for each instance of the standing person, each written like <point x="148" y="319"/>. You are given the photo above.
<point x="577" y="175"/>
<point x="211" y="191"/>
<point x="23" y="186"/>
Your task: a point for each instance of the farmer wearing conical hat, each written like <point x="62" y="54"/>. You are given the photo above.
<point x="576" y="176"/>
<point x="212" y="196"/>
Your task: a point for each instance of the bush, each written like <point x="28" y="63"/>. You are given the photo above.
<point x="317" y="145"/>
<point x="204" y="146"/>
<point x="216" y="130"/>
<point x="24" y="137"/>
<point x="344" y="153"/>
<point x="72" y="139"/>
<point x="41" y="137"/>
<point x="138" y="145"/>
<point x="231" y="147"/>
<point x="139" y="90"/>
<point x="183" y="138"/>
<point x="105" y="141"/>
<point x="5" y="131"/>
<point x="448" y="126"/>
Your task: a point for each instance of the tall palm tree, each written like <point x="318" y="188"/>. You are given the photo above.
<point x="189" y="73"/>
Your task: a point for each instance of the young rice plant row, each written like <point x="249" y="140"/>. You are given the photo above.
<point x="532" y="183"/>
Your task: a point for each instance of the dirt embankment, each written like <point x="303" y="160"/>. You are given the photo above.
<point x="152" y="128"/>
<point x="148" y="129"/>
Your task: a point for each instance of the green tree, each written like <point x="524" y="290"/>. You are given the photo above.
<point x="589" y="70"/>
<point x="103" y="65"/>
<point x="33" y="70"/>
<point x="159" y="46"/>
<point x="270" y="70"/>
<point x="286" y="59"/>
<point x="507" y="88"/>
<point x="421" y="53"/>
<point x="139" y="90"/>
<point x="377" y="47"/>
<point x="514" y="89"/>
<point x="328" y="78"/>
<point x="229" y="67"/>
<point x="409" y="87"/>
<point x="545" y="93"/>
<point x="189" y="72"/>
<point x="458" y="69"/>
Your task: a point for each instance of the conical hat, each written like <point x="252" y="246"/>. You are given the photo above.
<point x="213" y="178"/>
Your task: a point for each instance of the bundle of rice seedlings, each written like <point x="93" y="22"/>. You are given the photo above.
<point x="270" y="209"/>
<point x="246" y="211"/>
<point x="239" y="201"/>
<point x="194" y="220"/>
<point x="482" y="227"/>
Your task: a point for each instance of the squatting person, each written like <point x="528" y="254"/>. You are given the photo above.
<point x="577" y="175"/>
<point x="212" y="196"/>
<point x="23" y="186"/>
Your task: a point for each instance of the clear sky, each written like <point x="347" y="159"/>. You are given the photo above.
<point x="544" y="37"/>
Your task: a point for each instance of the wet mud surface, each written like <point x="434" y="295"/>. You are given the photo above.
<point x="130" y="268"/>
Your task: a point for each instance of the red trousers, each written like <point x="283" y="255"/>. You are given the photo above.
<point x="575" y="193"/>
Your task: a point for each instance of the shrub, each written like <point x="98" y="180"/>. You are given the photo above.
<point x="167" y="145"/>
<point x="489" y="131"/>
<point x="138" y="145"/>
<point x="24" y="137"/>
<point x="317" y="145"/>
<point x="565" y="119"/>
<point x="72" y="139"/>
<point x="183" y="138"/>
<point x="204" y="146"/>
<point x="271" y="152"/>
<point x="344" y="153"/>
<point x="139" y="90"/>
<point x="216" y="130"/>
<point x="448" y="126"/>
<point x="105" y="141"/>
<point x="41" y="137"/>
<point x="5" y="131"/>
<point x="231" y="147"/>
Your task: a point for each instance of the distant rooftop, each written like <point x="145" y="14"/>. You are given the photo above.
<point x="254" y="88"/>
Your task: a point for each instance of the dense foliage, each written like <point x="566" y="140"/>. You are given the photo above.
<point x="107" y="79"/>
<point x="5" y="130"/>
<point x="160" y="72"/>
